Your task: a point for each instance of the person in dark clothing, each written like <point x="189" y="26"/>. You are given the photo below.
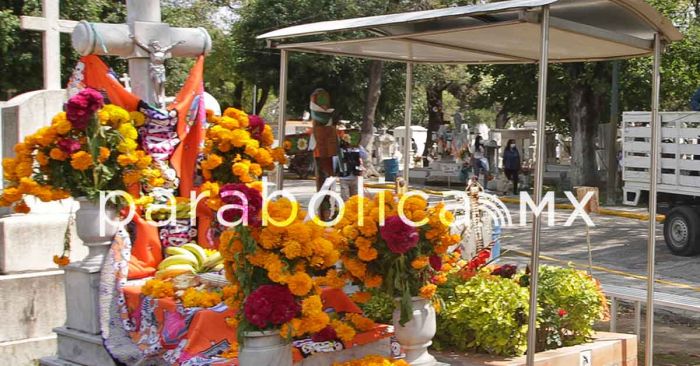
<point x="695" y="101"/>
<point x="511" y="164"/>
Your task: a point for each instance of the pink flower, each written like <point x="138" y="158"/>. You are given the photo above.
<point x="68" y="146"/>
<point x="253" y="196"/>
<point x="399" y="236"/>
<point x="82" y="106"/>
<point x="256" y="125"/>
<point x="270" y="305"/>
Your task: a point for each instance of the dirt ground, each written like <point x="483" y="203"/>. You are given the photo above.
<point x="676" y="340"/>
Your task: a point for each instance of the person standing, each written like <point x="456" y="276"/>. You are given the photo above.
<point x="479" y="162"/>
<point x="511" y="164"/>
<point x="352" y="159"/>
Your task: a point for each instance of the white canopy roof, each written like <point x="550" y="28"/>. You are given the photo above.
<point x="501" y="32"/>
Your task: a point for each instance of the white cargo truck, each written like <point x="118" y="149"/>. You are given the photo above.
<point x="678" y="175"/>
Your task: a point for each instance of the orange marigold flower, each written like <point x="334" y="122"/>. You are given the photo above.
<point x="367" y="254"/>
<point x="360" y="322"/>
<point x="299" y="284"/>
<point x="361" y="297"/>
<point x="58" y="154"/>
<point x="345" y="332"/>
<point x="81" y="161"/>
<point x="61" y="261"/>
<point x="420" y="262"/>
<point x="104" y="154"/>
<point x="428" y="291"/>
<point x="21" y="207"/>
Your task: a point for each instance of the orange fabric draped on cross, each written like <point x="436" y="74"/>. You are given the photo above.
<point x="146" y="250"/>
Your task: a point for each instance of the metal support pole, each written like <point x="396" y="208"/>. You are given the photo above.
<point x="255" y="99"/>
<point x="407" y="121"/>
<point x="613" y="315"/>
<point x="638" y="318"/>
<point x="539" y="172"/>
<point x="653" y="170"/>
<point x="281" y="122"/>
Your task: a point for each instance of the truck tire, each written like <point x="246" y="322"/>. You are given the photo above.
<point x="682" y="231"/>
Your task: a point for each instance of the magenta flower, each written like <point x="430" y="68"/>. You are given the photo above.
<point x="252" y="195"/>
<point x="256" y="125"/>
<point x="68" y="146"/>
<point x="399" y="236"/>
<point x="82" y="106"/>
<point x="436" y="262"/>
<point x="270" y="305"/>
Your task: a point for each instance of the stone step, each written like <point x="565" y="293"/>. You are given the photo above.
<point x="37" y="305"/>
<point x="55" y="361"/>
<point x="26" y="352"/>
<point x="29" y="242"/>
<point x="82" y="348"/>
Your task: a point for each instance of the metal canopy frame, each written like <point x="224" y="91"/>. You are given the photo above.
<point x="565" y="31"/>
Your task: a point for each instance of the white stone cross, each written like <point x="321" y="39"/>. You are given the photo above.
<point x="145" y="42"/>
<point x="126" y="80"/>
<point x="51" y="27"/>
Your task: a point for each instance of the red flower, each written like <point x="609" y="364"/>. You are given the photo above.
<point x="399" y="236"/>
<point x="68" y="146"/>
<point x="256" y="125"/>
<point x="270" y="305"/>
<point x="562" y="313"/>
<point x="505" y="271"/>
<point x="436" y="262"/>
<point x="254" y="203"/>
<point x="326" y="334"/>
<point x="81" y="107"/>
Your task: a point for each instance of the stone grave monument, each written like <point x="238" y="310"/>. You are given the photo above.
<point x="28" y="275"/>
<point x="146" y="43"/>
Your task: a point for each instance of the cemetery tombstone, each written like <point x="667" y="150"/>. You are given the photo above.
<point x="147" y="44"/>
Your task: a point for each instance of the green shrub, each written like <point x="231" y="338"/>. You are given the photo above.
<point x="570" y="303"/>
<point x="488" y="313"/>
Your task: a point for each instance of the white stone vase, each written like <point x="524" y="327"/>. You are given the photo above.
<point x="87" y="226"/>
<point x="417" y="335"/>
<point x="265" y="348"/>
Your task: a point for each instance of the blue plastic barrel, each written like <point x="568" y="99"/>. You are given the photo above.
<point x="391" y="169"/>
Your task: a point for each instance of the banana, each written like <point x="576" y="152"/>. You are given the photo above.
<point x="176" y="251"/>
<point x="218" y="267"/>
<point x="212" y="261"/>
<point x="197" y="251"/>
<point x="179" y="259"/>
<point x="174" y="270"/>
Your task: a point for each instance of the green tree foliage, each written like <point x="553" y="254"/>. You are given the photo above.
<point x="345" y="78"/>
<point x="21" y="50"/>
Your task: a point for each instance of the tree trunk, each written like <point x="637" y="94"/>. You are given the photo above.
<point x="374" y="92"/>
<point x="501" y="118"/>
<point x="238" y="95"/>
<point x="435" y="117"/>
<point x="585" y="107"/>
<point x="260" y="103"/>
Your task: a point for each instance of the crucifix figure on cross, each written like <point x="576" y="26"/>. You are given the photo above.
<point x="158" y="55"/>
<point x="146" y="42"/>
